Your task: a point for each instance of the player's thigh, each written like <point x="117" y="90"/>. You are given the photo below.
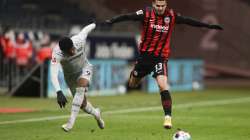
<point x="160" y="75"/>
<point x="85" y="77"/>
<point x="141" y="69"/>
<point x="134" y="81"/>
<point x="160" y="68"/>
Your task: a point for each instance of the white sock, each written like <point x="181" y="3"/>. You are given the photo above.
<point x="76" y="105"/>
<point x="90" y="109"/>
<point x="167" y="117"/>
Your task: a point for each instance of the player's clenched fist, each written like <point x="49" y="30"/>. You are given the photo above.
<point x="61" y="99"/>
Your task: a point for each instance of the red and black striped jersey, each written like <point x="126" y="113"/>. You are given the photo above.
<point x="156" y="33"/>
<point x="157" y="29"/>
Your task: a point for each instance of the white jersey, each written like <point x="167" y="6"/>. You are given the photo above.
<point x="72" y="64"/>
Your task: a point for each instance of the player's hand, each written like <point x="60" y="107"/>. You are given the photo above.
<point x="61" y="99"/>
<point x="108" y="22"/>
<point x="216" y="27"/>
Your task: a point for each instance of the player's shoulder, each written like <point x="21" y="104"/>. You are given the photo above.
<point x="74" y="38"/>
<point x="77" y="41"/>
<point x="56" y="51"/>
<point x="171" y="10"/>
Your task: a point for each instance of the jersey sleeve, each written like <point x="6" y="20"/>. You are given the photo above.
<point x="79" y="40"/>
<point x="55" y="65"/>
<point x="135" y="16"/>
<point x="190" y="21"/>
<point x="56" y="55"/>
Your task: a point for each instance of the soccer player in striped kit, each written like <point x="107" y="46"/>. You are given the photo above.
<point x="70" y="53"/>
<point x="158" y="23"/>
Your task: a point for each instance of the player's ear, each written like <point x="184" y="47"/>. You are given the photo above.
<point x="72" y="50"/>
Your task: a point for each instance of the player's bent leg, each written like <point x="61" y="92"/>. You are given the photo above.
<point x="76" y="104"/>
<point x="87" y="106"/>
<point x="166" y="100"/>
<point x="134" y="81"/>
<point x="96" y="112"/>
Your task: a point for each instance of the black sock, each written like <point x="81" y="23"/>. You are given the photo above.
<point x="166" y="102"/>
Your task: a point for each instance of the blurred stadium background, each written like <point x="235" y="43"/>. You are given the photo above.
<point x="30" y="28"/>
<point x="200" y="60"/>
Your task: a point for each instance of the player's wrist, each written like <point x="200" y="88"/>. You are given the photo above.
<point x="210" y="26"/>
<point x="59" y="92"/>
<point x="214" y="26"/>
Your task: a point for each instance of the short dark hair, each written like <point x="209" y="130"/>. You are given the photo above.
<point x="65" y="44"/>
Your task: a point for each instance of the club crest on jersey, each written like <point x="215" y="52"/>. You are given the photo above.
<point x="167" y="20"/>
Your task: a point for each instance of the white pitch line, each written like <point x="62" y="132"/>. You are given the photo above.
<point x="142" y="109"/>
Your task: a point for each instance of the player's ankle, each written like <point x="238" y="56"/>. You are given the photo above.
<point x="167" y="116"/>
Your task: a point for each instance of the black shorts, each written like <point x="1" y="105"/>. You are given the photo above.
<point x="146" y="65"/>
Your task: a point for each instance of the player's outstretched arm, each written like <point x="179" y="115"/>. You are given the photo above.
<point x="61" y="99"/>
<point x="196" y="23"/>
<point x="81" y="37"/>
<point x="86" y="30"/>
<point x="136" y="16"/>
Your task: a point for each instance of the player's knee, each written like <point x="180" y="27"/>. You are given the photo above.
<point x="163" y="87"/>
<point x="83" y="82"/>
<point x="82" y="90"/>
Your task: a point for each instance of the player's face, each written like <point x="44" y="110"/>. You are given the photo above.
<point x="160" y="6"/>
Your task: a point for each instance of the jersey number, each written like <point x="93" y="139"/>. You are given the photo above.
<point x="158" y="67"/>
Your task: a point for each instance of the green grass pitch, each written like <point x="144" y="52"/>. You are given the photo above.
<point x="213" y="114"/>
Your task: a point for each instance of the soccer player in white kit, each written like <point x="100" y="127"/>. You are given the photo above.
<point x="70" y="53"/>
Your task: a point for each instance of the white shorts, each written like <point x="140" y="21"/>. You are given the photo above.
<point x="71" y="79"/>
<point x="87" y="73"/>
